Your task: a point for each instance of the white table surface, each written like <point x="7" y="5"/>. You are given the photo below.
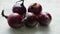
<point x="51" y="6"/>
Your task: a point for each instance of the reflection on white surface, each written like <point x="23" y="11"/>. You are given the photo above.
<point x="51" y="6"/>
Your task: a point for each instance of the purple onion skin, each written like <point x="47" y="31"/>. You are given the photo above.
<point x="30" y="21"/>
<point x="44" y="19"/>
<point x="35" y="8"/>
<point x="19" y="8"/>
<point x="14" y="20"/>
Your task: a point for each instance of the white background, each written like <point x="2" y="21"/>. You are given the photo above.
<point x="51" y="6"/>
